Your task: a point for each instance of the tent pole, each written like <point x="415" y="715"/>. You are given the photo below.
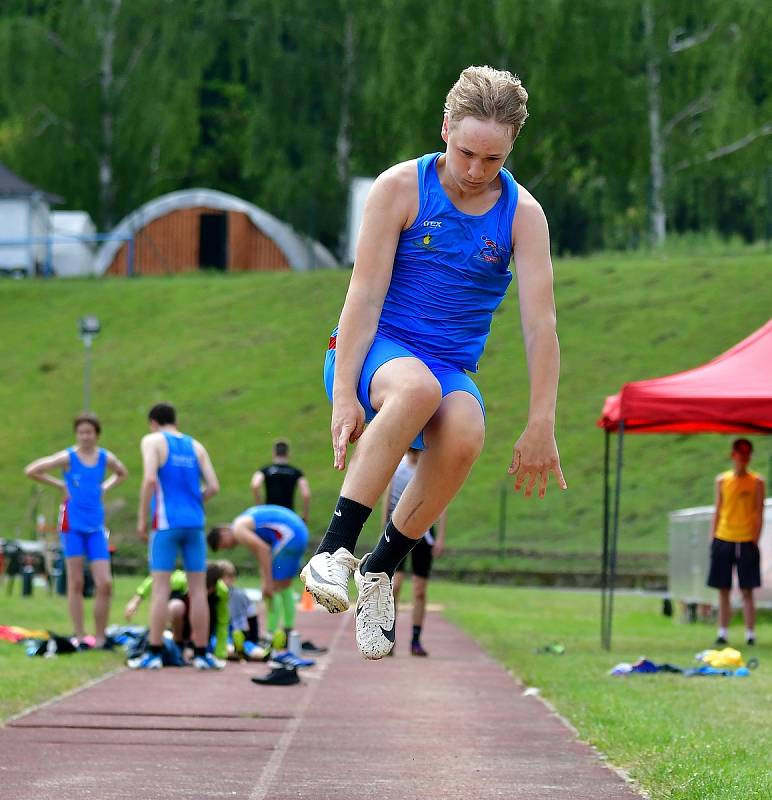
<point x="615" y="534"/>
<point x="604" y="567"/>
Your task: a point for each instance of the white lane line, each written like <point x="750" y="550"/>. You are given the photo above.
<point x="260" y="789"/>
<point x="64" y="695"/>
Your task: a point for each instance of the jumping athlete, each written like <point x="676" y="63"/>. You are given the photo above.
<point x="429" y="546"/>
<point x="82" y="517"/>
<point x="432" y="265"/>
<point x="174" y="468"/>
<point x="277" y="537"/>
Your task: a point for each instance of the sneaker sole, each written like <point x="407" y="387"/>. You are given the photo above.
<point x="374" y="654"/>
<point x="324" y="598"/>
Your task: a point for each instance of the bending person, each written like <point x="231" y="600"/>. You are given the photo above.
<point x="277" y="537"/>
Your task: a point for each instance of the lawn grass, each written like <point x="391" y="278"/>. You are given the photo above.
<point x="680" y="738"/>
<point x="241" y="356"/>
<point x="27" y="681"/>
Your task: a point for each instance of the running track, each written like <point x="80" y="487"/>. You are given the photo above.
<point x="453" y="726"/>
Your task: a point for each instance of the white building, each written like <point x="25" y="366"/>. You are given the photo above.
<point x="73" y="254"/>
<point x="24" y="223"/>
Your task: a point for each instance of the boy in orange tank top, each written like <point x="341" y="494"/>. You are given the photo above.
<point x="736" y="531"/>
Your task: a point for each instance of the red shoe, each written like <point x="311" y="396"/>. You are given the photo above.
<point x="416" y="649"/>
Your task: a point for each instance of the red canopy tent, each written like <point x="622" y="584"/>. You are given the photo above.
<point x="730" y="394"/>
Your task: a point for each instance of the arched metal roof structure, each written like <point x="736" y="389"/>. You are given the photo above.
<point x="301" y="252"/>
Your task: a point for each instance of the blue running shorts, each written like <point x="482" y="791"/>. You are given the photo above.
<point x="92" y="545"/>
<point x="451" y="379"/>
<point x="164" y="546"/>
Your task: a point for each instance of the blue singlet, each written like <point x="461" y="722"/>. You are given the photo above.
<point x="451" y="271"/>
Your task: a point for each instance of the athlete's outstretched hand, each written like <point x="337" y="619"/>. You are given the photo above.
<point x="535" y="456"/>
<point x="348" y="424"/>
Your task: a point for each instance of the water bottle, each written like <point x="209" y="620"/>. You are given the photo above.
<point x="293" y="643"/>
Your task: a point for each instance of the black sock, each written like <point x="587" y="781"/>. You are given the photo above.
<point x="252" y="633"/>
<point x="416" y="633"/>
<point x="392" y="547"/>
<point x="155" y="649"/>
<point x="199" y="652"/>
<point x="345" y="526"/>
<point x="180" y="645"/>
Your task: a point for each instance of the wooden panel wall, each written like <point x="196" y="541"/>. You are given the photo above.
<point x="170" y="245"/>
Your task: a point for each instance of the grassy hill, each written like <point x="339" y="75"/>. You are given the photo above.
<point x="241" y="357"/>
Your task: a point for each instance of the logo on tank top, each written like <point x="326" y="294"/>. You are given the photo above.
<point x="425" y="242"/>
<point x="490" y="252"/>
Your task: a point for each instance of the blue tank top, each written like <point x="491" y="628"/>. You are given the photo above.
<point x="451" y="271"/>
<point x="83" y="510"/>
<point x="178" y="502"/>
<point x="276" y="525"/>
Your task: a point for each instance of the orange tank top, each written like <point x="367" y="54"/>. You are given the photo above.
<point x="737" y="518"/>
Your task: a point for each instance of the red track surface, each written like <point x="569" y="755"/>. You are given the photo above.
<point x="454" y="725"/>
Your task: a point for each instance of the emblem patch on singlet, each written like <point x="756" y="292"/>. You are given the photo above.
<point x="490" y="251"/>
<point x="425" y="242"/>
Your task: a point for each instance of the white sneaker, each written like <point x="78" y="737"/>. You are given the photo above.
<point x="375" y="614"/>
<point x="208" y="661"/>
<point x="326" y="577"/>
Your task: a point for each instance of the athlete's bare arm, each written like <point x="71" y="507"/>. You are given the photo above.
<point x="256" y="487"/>
<point x="442" y="527"/>
<point x="305" y="495"/>
<point x="211" y="484"/>
<point x="536" y="453"/>
<point x="391" y="206"/>
<point x="244" y="531"/>
<point x="39" y="470"/>
<point x="120" y="473"/>
<point x="154" y="453"/>
<point x="759" y="523"/>
<point x="717" y="512"/>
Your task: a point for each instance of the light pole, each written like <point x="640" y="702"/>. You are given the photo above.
<point x="88" y="328"/>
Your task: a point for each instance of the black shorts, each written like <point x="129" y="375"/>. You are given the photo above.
<point x="724" y="556"/>
<point x="421" y="559"/>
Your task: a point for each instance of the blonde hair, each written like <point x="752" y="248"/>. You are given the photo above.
<point x="227" y="568"/>
<point x="486" y="93"/>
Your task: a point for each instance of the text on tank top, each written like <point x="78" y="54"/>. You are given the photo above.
<point x="178" y="501"/>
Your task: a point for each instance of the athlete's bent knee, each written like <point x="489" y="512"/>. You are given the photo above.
<point x="420" y="393"/>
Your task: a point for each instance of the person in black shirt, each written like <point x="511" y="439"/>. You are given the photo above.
<point x="280" y="480"/>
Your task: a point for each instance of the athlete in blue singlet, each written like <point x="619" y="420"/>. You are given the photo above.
<point x="81" y="518"/>
<point x="278" y="538"/>
<point x="178" y="478"/>
<point x="432" y="266"/>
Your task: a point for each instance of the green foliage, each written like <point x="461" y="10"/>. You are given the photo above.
<point x="679" y="738"/>
<point x="241" y="357"/>
<point x="273" y="101"/>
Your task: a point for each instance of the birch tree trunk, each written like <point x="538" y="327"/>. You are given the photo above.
<point x="106" y="79"/>
<point x="658" y="218"/>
